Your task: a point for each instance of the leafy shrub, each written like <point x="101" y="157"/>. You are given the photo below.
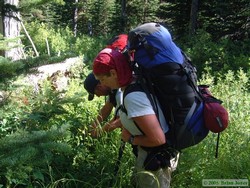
<point x="59" y="40"/>
<point x="27" y="152"/>
<point x="28" y="120"/>
<point x="62" y="41"/>
<point x="220" y="56"/>
<point x="88" y="47"/>
<point x="8" y="68"/>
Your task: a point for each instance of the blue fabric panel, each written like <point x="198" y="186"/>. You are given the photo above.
<point x="167" y="49"/>
<point x="196" y="123"/>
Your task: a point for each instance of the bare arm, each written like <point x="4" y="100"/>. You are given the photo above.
<point x="108" y="127"/>
<point x="113" y="124"/>
<point x="103" y="114"/>
<point x="153" y="134"/>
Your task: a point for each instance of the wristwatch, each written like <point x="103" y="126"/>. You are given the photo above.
<point x="131" y="139"/>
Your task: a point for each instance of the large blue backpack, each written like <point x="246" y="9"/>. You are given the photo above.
<point x="166" y="72"/>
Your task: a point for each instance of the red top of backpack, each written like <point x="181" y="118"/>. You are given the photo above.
<point x="118" y="42"/>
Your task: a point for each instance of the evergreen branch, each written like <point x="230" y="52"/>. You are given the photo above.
<point x="34" y="148"/>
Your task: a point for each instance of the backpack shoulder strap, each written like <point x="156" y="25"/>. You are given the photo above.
<point x="190" y="71"/>
<point x="130" y="88"/>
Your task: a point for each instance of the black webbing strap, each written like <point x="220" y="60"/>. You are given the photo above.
<point x="140" y="85"/>
<point x="199" y="95"/>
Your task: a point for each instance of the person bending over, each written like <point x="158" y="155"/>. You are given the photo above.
<point x="141" y="126"/>
<point x="114" y="99"/>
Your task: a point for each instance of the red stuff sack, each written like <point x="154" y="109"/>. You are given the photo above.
<point x="215" y="115"/>
<point x="118" y="42"/>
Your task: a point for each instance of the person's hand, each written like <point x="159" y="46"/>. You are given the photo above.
<point x="93" y="130"/>
<point x="116" y="123"/>
<point x="125" y="135"/>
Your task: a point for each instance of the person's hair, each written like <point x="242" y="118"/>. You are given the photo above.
<point x="105" y="74"/>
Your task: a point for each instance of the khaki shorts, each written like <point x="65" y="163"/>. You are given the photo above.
<point x="153" y="179"/>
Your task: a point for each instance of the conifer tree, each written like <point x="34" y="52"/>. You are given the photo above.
<point x="11" y="28"/>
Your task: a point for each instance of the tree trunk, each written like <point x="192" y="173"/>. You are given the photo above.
<point x="1" y="29"/>
<point x="193" y="17"/>
<point x="11" y="30"/>
<point x="28" y="36"/>
<point x="123" y="15"/>
<point x="75" y="17"/>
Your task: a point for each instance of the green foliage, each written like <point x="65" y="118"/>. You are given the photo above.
<point x="140" y="12"/>
<point x="224" y="54"/>
<point x="27" y="138"/>
<point x="23" y="153"/>
<point x="27" y="5"/>
<point x="59" y="40"/>
<point x="61" y="44"/>
<point x="221" y="18"/>
<point x="101" y="12"/>
<point x="174" y="14"/>
<point x="89" y="47"/>
<point x="4" y="42"/>
<point x="9" y="68"/>
<point x="218" y="18"/>
<point x="218" y="57"/>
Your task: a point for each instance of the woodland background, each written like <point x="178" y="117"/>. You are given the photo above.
<point x="43" y="129"/>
